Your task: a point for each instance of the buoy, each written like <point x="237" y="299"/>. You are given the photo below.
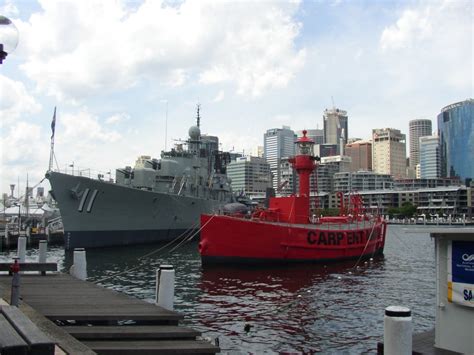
<point x="398" y="331"/>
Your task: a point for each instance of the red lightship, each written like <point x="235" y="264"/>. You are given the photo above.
<point x="285" y="233"/>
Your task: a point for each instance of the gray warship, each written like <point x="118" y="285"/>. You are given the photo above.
<point x="157" y="200"/>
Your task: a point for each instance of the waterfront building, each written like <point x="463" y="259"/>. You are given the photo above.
<point x="278" y="143"/>
<point x="321" y="179"/>
<point x="336" y="128"/>
<point x="389" y="152"/>
<point x="361" y="154"/>
<point x="404" y="184"/>
<point x="456" y="134"/>
<point x="289" y="179"/>
<point x="444" y="201"/>
<point x="362" y="180"/>
<point x="417" y="128"/>
<point x="250" y="175"/>
<point x="430" y="159"/>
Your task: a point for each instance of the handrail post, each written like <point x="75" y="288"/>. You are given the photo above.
<point x="15" y="291"/>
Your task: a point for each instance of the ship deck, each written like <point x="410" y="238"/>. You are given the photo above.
<point x="320" y="226"/>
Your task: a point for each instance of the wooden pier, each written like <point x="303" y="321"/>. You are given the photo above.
<point x="423" y="344"/>
<point x="81" y="317"/>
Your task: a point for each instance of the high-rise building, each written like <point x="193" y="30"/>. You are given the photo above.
<point x="250" y="175"/>
<point x="209" y="143"/>
<point x="257" y="151"/>
<point x="418" y="128"/>
<point x="361" y="155"/>
<point x="456" y="135"/>
<point x="430" y="159"/>
<point x="389" y="152"/>
<point x="325" y="150"/>
<point x="336" y="128"/>
<point x="278" y="143"/>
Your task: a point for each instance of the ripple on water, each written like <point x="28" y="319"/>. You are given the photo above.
<point x="305" y="308"/>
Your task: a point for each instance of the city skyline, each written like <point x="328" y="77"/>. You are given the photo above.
<point x="126" y="77"/>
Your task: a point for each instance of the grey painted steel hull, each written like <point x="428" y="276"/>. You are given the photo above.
<point x="97" y="213"/>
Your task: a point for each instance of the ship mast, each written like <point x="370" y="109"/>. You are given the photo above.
<point x="198" y="117"/>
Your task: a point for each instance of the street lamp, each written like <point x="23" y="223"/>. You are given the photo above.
<point x="8" y="37"/>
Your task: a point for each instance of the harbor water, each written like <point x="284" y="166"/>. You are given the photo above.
<point x="333" y="308"/>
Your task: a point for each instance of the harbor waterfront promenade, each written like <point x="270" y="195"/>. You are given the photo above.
<point x="332" y="308"/>
<point x="81" y="317"/>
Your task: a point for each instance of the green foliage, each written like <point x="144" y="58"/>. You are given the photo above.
<point x="407" y="210"/>
<point x="329" y="212"/>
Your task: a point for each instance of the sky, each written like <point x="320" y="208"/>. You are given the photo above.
<point x="126" y="76"/>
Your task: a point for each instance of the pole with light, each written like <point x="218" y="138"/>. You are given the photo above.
<point x="8" y="37"/>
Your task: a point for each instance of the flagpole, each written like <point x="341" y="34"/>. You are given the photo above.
<point x="51" y="152"/>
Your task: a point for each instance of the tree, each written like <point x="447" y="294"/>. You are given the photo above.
<point x="407" y="209"/>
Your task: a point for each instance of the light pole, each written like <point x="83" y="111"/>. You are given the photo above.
<point x="8" y="37"/>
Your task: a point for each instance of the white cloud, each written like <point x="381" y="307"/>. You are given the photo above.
<point x="74" y="49"/>
<point x="219" y="97"/>
<point x="84" y="128"/>
<point x="9" y="9"/>
<point x="21" y="153"/>
<point x="119" y="117"/>
<point x="413" y="26"/>
<point x="15" y="100"/>
<point x="430" y="43"/>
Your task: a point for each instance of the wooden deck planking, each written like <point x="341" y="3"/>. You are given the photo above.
<point x="62" y="297"/>
<point x="423" y="343"/>
<point x="131" y="332"/>
<point x="10" y="341"/>
<point x="152" y="347"/>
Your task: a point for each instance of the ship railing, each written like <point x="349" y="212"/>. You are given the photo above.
<point x="183" y="181"/>
<point x="86" y="172"/>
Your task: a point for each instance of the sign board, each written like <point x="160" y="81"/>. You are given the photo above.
<point x="461" y="273"/>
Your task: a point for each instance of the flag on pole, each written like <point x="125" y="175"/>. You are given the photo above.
<point x="53" y="123"/>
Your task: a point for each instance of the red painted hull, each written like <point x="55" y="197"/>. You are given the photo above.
<point x="226" y="239"/>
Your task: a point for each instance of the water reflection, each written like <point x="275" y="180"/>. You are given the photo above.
<point x="332" y="308"/>
<point x="281" y="308"/>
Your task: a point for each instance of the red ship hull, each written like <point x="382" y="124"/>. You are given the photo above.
<point x="228" y="239"/>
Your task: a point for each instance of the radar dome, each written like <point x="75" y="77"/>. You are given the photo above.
<point x="194" y="133"/>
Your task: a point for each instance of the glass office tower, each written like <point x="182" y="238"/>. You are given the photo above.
<point x="456" y="134"/>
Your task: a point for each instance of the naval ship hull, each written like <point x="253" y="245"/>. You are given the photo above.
<point x="96" y="213"/>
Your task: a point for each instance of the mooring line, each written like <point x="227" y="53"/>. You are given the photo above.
<point x="182" y="242"/>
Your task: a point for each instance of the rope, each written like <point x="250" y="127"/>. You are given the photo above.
<point x="366" y="244"/>
<point x="185" y="240"/>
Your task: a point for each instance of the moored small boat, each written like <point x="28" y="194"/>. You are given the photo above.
<point x="285" y="232"/>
